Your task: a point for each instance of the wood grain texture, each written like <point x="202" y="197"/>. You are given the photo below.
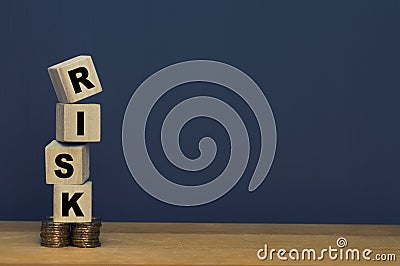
<point x="194" y="244"/>
<point x="62" y="81"/>
<point x="80" y="162"/>
<point x="67" y="122"/>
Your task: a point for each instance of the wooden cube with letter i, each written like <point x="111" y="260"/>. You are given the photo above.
<point x="78" y="122"/>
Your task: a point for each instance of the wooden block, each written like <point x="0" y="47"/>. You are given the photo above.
<point x="66" y="163"/>
<point x="75" y="79"/>
<point x="78" y="122"/>
<point x="73" y="203"/>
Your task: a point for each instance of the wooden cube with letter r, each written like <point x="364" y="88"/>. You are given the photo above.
<point x="75" y="79"/>
<point x="73" y="203"/>
<point x="66" y="163"/>
<point x="78" y="122"/>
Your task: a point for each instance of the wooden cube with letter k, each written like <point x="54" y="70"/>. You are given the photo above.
<point x="73" y="203"/>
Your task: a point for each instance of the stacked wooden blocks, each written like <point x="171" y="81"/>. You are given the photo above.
<point x="67" y="157"/>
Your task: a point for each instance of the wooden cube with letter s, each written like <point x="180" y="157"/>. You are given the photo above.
<point x="66" y="163"/>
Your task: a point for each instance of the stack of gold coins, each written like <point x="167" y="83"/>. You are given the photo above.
<point x="86" y="235"/>
<point x="54" y="235"/>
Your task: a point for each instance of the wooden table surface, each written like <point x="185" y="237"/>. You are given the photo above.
<point x="198" y="244"/>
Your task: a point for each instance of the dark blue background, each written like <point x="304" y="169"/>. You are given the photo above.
<point x="330" y="70"/>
